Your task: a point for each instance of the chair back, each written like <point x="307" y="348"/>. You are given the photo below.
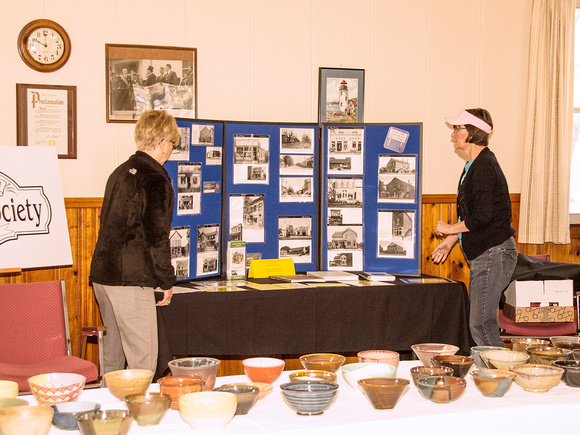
<point x="33" y="322"/>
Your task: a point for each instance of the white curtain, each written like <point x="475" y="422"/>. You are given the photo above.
<point x="544" y="215"/>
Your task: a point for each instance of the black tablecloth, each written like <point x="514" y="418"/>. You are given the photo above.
<point x="317" y="319"/>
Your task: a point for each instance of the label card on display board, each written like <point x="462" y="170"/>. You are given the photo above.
<point x="33" y="226"/>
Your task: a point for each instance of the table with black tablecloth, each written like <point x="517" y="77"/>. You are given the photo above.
<point x="337" y="319"/>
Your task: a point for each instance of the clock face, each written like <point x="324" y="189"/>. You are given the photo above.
<point x="45" y="45"/>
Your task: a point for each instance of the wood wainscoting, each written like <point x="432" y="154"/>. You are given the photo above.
<point x="83" y="224"/>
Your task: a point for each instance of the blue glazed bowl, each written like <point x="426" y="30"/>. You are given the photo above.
<point x="65" y="414"/>
<point x="493" y="383"/>
<point x="308" y="397"/>
<point x="441" y="389"/>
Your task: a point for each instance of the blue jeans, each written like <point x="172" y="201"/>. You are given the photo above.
<point x="490" y="275"/>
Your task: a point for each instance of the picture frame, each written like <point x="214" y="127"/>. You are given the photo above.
<point x="46" y="115"/>
<point x="341" y="95"/>
<point x="145" y="77"/>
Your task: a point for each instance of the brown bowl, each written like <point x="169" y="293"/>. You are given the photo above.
<point x="329" y="362"/>
<point x="383" y="393"/>
<point x="177" y="386"/>
<point x="546" y="354"/>
<point x="148" y="409"/>
<point x="460" y="364"/>
<point x="420" y="372"/>
<point x="312" y="375"/>
<point x="131" y="381"/>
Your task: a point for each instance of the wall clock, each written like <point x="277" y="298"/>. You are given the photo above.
<point x="44" y="45"/>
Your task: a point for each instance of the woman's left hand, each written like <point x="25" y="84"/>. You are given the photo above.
<point x="167" y="295"/>
<point x="442" y="228"/>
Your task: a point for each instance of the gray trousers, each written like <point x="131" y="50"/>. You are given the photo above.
<point x="130" y="316"/>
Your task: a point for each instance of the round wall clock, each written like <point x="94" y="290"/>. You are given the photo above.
<point x="44" y="45"/>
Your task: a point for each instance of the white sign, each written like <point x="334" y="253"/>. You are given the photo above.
<point x="33" y="226"/>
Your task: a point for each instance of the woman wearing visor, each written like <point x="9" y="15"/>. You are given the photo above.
<point x="483" y="226"/>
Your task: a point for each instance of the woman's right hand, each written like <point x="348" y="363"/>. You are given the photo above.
<point x="441" y="252"/>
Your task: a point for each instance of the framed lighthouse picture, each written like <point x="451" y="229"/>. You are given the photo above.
<point x="341" y="95"/>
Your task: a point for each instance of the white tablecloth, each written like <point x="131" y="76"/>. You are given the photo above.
<point x="518" y="412"/>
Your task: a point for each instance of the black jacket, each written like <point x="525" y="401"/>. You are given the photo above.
<point x="483" y="203"/>
<point x="133" y="245"/>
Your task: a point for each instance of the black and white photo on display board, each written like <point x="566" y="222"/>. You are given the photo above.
<point x="211" y="187"/>
<point x="251" y="158"/>
<point x="179" y="239"/>
<point x="396" y="233"/>
<point x="188" y="188"/>
<point x="345" y="192"/>
<point x="295" y="238"/>
<point x="213" y="156"/>
<point x="397" y="188"/>
<point x="296" y="164"/>
<point x="345" y="150"/>
<point x="345" y="239"/>
<point x="202" y="134"/>
<point x="208" y="239"/>
<point x="296" y="189"/>
<point x="247" y="218"/>
<point x="181" y="149"/>
<point x="297" y="140"/>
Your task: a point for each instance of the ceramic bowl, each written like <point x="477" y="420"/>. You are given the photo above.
<point x="576" y="354"/>
<point x="355" y="371"/>
<point x="309" y="398"/>
<point x="148" y="409"/>
<point x="475" y="352"/>
<point x="546" y="354"/>
<point x="8" y="389"/>
<point x="207" y="368"/>
<point x="247" y="396"/>
<point x="312" y="375"/>
<point x="207" y="409"/>
<point x="65" y="414"/>
<point x="264" y="388"/>
<point x="383" y="393"/>
<point x="503" y="359"/>
<point x="177" y="386"/>
<point x="420" y="372"/>
<point x="566" y="341"/>
<point x="493" y="383"/>
<point x="26" y="420"/>
<point x="460" y="364"/>
<point x="426" y="351"/>
<point x="130" y="381"/>
<point x="11" y="402"/>
<point x="379" y="356"/>
<point x="329" y="362"/>
<point x="571" y="374"/>
<point x="109" y="422"/>
<point x="51" y="388"/>
<point x="520" y="344"/>
<point x="265" y="370"/>
<point x="537" y="378"/>
<point x="441" y="389"/>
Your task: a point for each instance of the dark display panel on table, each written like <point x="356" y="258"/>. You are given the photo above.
<point x="371" y="190"/>
<point x="195" y="168"/>
<point x="272" y="190"/>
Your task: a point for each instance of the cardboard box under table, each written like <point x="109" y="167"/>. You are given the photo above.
<point x="540" y="301"/>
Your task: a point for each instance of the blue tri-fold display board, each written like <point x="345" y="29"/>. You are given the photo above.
<point x="329" y="196"/>
<point x="371" y="189"/>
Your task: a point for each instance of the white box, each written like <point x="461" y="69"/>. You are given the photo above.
<point x="540" y="293"/>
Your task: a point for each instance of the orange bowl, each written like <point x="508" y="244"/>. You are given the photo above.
<point x="265" y="370"/>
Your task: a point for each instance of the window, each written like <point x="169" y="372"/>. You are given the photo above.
<point x="575" y="163"/>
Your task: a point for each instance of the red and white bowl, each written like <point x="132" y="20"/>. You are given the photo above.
<point x="52" y="388"/>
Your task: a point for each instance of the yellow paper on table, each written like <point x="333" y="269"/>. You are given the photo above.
<point x="267" y="268"/>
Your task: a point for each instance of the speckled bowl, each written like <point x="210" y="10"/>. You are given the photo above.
<point x="538" y="378"/>
<point x="493" y="383"/>
<point x="503" y="359"/>
<point x="130" y="381"/>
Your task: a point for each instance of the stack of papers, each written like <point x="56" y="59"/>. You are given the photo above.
<point x="377" y="276"/>
<point x="334" y="275"/>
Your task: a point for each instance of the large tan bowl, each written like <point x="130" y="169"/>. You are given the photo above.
<point x="546" y="354"/>
<point x="208" y="409"/>
<point x="426" y="351"/>
<point x="26" y="420"/>
<point x="148" y="409"/>
<point x="503" y="359"/>
<point x="537" y="378"/>
<point x="131" y="381"/>
<point x="52" y="388"/>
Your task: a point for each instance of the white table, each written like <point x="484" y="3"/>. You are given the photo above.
<point x="518" y="412"/>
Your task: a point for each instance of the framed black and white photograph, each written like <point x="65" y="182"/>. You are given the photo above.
<point x="341" y="95"/>
<point x="148" y="77"/>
